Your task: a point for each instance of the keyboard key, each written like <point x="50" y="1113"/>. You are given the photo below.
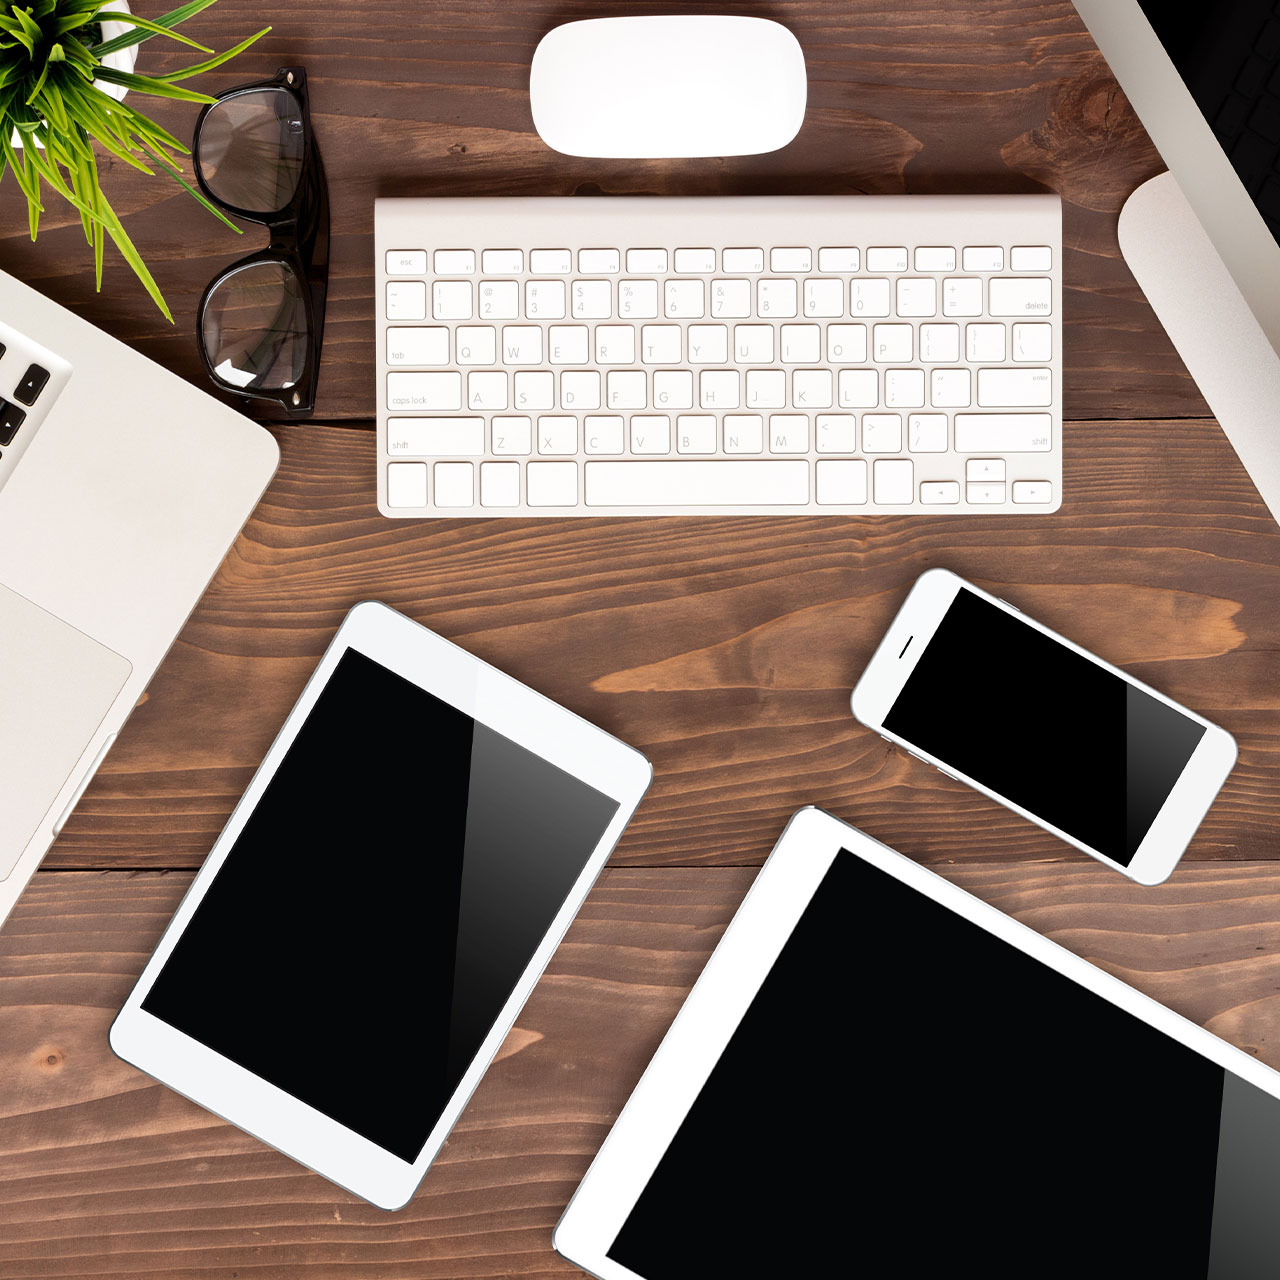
<point x="650" y="433"/>
<point x="730" y="298"/>
<point x="1019" y="296"/>
<point x="476" y="343"/>
<point x="407" y="484"/>
<point x="939" y="492"/>
<point x="557" y="434"/>
<point x="406" y="300"/>
<point x="1004" y="433"/>
<point x="644" y="260"/>
<point x="698" y="483"/>
<point x="417" y="346"/>
<point x="984" y="495"/>
<point x="776" y="298"/>
<point x="499" y="484"/>
<point x="1032" y="491"/>
<point x="503" y="261"/>
<point x="661" y="343"/>
<point x="824" y="298"/>
<point x="881" y="433"/>
<point x="835" y="433"/>
<point x="927" y="433"/>
<point x="487" y="392"/>
<point x="592" y="299"/>
<point x="550" y="262"/>
<point x="977" y="470"/>
<point x="744" y="261"/>
<point x="11" y="418"/>
<point x="451" y="300"/>
<point x="684" y="300"/>
<point x="603" y="433"/>
<point x="892" y="343"/>
<point x="753" y="343"/>
<point x="858" y="388"/>
<point x="962" y="296"/>
<point x="984" y="342"/>
<point x="983" y="258"/>
<point x="801" y="343"/>
<point x="436" y="437"/>
<point x="846" y="343"/>
<point x="544" y="299"/>
<point x="719" y="389"/>
<point x="708" y="344"/>
<point x="535" y="391"/>
<point x="789" y="433"/>
<point x="673" y="389"/>
<point x="567" y="344"/>
<point x="894" y="481"/>
<point x="521" y="344"/>
<point x="696" y="261"/>
<point x="696" y="433"/>
<point x="599" y="262"/>
<point x="791" y="260"/>
<point x="580" y="390"/>
<point x="887" y="259"/>
<point x="627" y="389"/>
<point x="551" y="484"/>
<point x="513" y="435"/>
<point x="940" y="259"/>
<point x="406" y="262"/>
<point x="1033" y="342"/>
<point x="940" y="343"/>
<point x="1011" y="388"/>
<point x="842" y="483"/>
<point x="743" y="433"/>
<point x="615" y="344"/>
<point x="917" y="296"/>
<point x="638" y="299"/>
<point x="1030" y="257"/>
<point x="869" y="297"/>
<point x="410" y="391"/>
<point x="454" y="262"/>
<point x="811" y="389"/>
<point x="454" y="484"/>
<point x="766" y="389"/>
<point x="499" y="300"/>
<point x="839" y="258"/>
<point x="951" y="389"/>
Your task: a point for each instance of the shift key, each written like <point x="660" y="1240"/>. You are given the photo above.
<point x="1004" y="432"/>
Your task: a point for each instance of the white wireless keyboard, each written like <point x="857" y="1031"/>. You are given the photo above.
<point x="749" y="355"/>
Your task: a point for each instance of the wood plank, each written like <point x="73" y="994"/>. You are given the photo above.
<point x="104" y="1173"/>
<point x="724" y="648"/>
<point x="429" y="98"/>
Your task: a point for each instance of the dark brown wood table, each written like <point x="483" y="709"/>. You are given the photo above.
<point x="723" y="648"/>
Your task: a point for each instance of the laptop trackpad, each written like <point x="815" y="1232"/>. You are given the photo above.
<point x="56" y="684"/>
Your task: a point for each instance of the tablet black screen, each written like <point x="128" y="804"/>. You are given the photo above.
<point x="909" y="1095"/>
<point x="380" y="904"/>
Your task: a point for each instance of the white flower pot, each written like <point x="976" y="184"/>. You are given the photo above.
<point x="121" y="60"/>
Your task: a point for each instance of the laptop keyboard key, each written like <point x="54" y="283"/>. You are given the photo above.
<point x="11" y="418"/>
<point x="32" y="384"/>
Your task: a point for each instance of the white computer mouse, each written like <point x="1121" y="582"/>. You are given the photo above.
<point x="690" y="85"/>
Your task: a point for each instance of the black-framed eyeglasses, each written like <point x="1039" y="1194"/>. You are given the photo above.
<point x="261" y="321"/>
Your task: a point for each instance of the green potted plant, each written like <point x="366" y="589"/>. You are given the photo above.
<point x="61" y="92"/>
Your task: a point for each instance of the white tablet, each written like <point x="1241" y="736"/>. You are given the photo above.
<point x="877" y="1065"/>
<point x="380" y="904"/>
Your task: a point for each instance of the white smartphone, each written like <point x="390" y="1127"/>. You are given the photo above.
<point x="971" y="685"/>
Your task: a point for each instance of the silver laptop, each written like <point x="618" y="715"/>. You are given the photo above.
<point x="1203" y="240"/>
<point x="121" y="488"/>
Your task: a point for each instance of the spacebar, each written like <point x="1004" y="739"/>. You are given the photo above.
<point x="698" y="484"/>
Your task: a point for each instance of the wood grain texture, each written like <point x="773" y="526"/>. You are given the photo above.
<point x="104" y="1173"/>
<point x="413" y="98"/>
<point x="723" y="648"/>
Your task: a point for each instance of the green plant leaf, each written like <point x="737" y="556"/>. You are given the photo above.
<point x="146" y="84"/>
<point x="198" y="68"/>
<point x="152" y="28"/>
<point x="165" y="165"/>
<point x="171" y="19"/>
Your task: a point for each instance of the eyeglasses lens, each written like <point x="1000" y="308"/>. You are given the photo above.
<point x="250" y="149"/>
<point x="255" y="327"/>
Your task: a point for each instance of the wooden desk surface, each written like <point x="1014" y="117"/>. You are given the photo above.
<point x="722" y="648"/>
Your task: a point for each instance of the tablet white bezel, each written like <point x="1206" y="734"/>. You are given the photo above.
<point x="910" y="634"/>
<point x="733" y="975"/>
<point x="489" y="697"/>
